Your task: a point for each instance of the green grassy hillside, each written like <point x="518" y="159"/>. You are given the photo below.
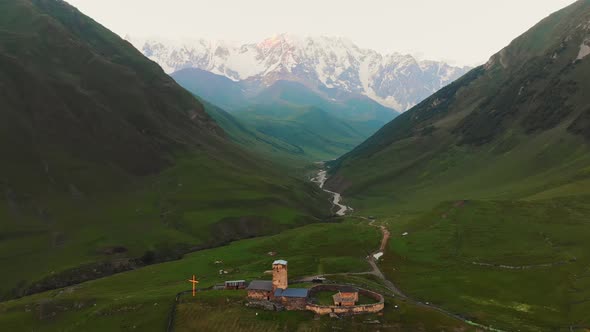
<point x="246" y="135"/>
<point x="485" y="185"/>
<point x="109" y="164"/>
<point x="511" y="264"/>
<point x="142" y="299"/>
<point x="300" y="125"/>
<point x="316" y="134"/>
<point x="513" y="128"/>
<point x="351" y="108"/>
<point x="217" y="89"/>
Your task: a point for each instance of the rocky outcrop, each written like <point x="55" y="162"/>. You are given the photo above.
<point x="265" y="305"/>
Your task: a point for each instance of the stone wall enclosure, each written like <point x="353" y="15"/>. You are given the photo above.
<point x="350" y="310"/>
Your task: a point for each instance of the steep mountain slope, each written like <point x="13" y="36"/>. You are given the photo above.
<point x="317" y="134"/>
<point x="514" y="128"/>
<point x="485" y="186"/>
<point x="270" y="112"/>
<point x="334" y="64"/>
<point x="350" y="108"/>
<point x="108" y="164"/>
<point x="233" y="96"/>
<point x="217" y="89"/>
<point x="323" y="128"/>
<point x="266" y="146"/>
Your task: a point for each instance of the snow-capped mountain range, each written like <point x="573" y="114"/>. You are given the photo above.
<point x="327" y="64"/>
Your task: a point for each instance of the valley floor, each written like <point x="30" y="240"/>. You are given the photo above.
<point x="141" y="299"/>
<point x="459" y="267"/>
<point x="498" y="265"/>
<point x="517" y="265"/>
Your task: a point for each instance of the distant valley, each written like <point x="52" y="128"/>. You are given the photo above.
<point x="319" y="96"/>
<point x="112" y="164"/>
<point x="314" y="126"/>
<point x="417" y="195"/>
<point x="328" y="65"/>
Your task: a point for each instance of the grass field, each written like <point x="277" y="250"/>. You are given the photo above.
<point x="511" y="264"/>
<point x="226" y="312"/>
<point x="507" y="248"/>
<point x="527" y="209"/>
<point x="141" y="299"/>
<point x="324" y="298"/>
<point x="316" y="134"/>
<point x="197" y="203"/>
<point x="418" y="176"/>
<point x="287" y="155"/>
<point x="110" y="165"/>
<point x="128" y="298"/>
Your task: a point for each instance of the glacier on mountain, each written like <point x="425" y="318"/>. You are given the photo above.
<point x="395" y="80"/>
<point x="584" y="49"/>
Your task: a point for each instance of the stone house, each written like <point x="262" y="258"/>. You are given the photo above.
<point x="260" y="290"/>
<point x="346" y="296"/>
<point x="292" y="298"/>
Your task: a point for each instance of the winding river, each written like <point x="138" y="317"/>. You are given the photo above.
<point x="320" y="179"/>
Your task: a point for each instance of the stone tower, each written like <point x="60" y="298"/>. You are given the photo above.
<point x="279" y="274"/>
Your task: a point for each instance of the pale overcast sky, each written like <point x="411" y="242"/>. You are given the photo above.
<point x="459" y="31"/>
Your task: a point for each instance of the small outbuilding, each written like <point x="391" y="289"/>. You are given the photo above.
<point x="235" y="284"/>
<point x="346" y="297"/>
<point x="292" y="298"/>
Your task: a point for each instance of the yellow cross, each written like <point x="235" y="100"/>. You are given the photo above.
<point x="194" y="281"/>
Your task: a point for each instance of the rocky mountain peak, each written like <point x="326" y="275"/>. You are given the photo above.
<point x="394" y="80"/>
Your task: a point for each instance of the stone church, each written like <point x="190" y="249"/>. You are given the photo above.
<point x="277" y="290"/>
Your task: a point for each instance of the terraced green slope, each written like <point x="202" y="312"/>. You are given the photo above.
<point x="108" y="164"/>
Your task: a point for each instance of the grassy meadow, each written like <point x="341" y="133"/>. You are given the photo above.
<point x="419" y="176"/>
<point x="496" y="233"/>
<point x="198" y="203"/>
<point x="141" y="299"/>
<point x="110" y="165"/>
<point x="515" y="265"/>
<point x="226" y="312"/>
